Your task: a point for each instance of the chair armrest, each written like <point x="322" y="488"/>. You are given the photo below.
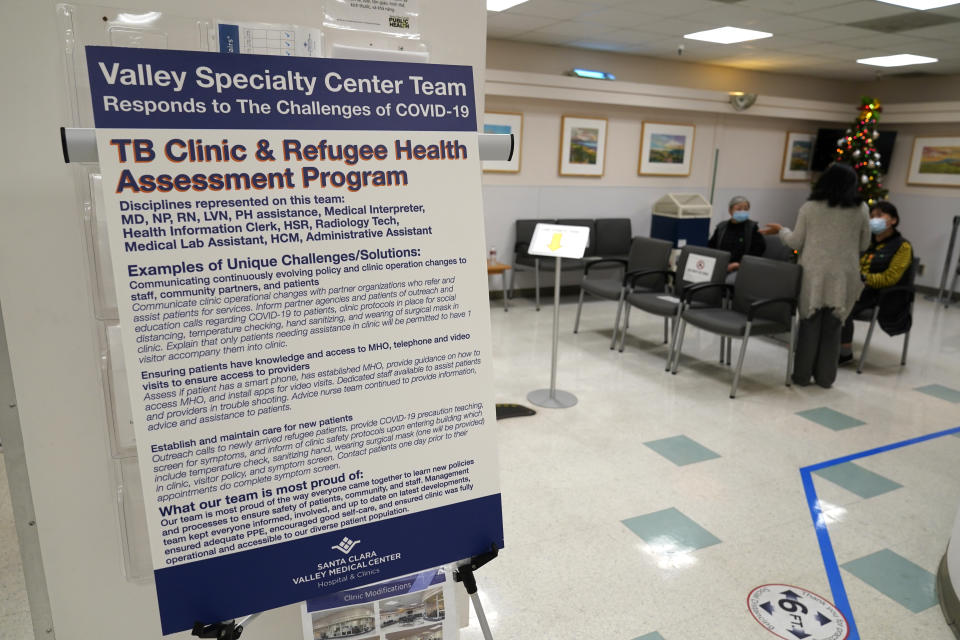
<point x="593" y="263"/>
<point x="631" y="277"/>
<point x="693" y="290"/>
<point x="754" y="306"/>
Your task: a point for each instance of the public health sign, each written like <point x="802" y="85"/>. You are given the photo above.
<point x="298" y="247"/>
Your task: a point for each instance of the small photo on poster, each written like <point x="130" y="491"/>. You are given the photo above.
<point x="420" y="606"/>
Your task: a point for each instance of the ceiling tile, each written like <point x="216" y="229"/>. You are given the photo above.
<point x="676" y="7"/>
<point x="942" y="32"/>
<point x="856" y="11"/>
<point x="778" y="43"/>
<point x="790" y="6"/>
<point x="635" y="37"/>
<point x="838" y="34"/>
<point x="577" y="29"/>
<point x="785" y="25"/>
<point x="620" y="17"/>
<point x="905" y="22"/>
<point x="731" y="15"/>
<point x="516" y="23"/>
<point x="953" y="11"/>
<point x="677" y="27"/>
<point x="544" y="38"/>
<point x="556" y="9"/>
<point x="886" y="41"/>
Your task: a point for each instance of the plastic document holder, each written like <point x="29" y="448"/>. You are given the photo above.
<point x="137" y="562"/>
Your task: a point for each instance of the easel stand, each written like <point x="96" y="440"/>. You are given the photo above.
<point x="230" y="630"/>
<point x="947" y="267"/>
<point x="464" y="574"/>
<point x="553" y="398"/>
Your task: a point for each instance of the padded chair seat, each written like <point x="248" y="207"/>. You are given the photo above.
<point x="601" y="287"/>
<point x="866" y="315"/>
<point x="653" y="302"/>
<point x="731" y="323"/>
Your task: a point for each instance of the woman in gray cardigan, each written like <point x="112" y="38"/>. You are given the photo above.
<point x="833" y="229"/>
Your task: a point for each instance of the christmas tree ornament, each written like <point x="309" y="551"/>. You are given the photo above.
<point x="856" y="153"/>
<point x="858" y="149"/>
<point x="864" y="179"/>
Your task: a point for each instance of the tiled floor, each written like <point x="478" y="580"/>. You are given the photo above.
<point x="601" y="500"/>
<point x="654" y="506"/>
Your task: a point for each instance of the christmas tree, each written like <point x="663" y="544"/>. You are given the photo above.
<point x="858" y="149"/>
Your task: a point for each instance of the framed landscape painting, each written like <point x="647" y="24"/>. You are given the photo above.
<point x="935" y="162"/>
<point x="666" y="149"/>
<point x="583" y="146"/>
<point x="496" y="122"/>
<point x="797" y="155"/>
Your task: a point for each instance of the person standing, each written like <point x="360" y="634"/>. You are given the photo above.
<point x="739" y="235"/>
<point x="833" y="229"/>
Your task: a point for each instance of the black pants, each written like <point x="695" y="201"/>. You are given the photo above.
<point x="818" y="349"/>
<point x="867" y="300"/>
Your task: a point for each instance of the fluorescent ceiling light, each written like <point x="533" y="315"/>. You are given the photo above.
<point x="728" y="35"/>
<point x="922" y="5"/>
<point x="502" y="5"/>
<point x="899" y="60"/>
<point x="590" y="73"/>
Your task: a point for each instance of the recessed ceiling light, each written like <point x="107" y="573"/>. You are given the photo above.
<point x="899" y="60"/>
<point x="728" y="35"/>
<point x="502" y="5"/>
<point x="922" y="5"/>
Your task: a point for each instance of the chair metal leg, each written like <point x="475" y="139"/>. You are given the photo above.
<point x="626" y="323"/>
<point x="906" y="342"/>
<point x="576" y="323"/>
<point x="729" y="350"/>
<point x="866" y="342"/>
<point x="743" y="352"/>
<point x="723" y="348"/>
<point x="673" y="337"/>
<point x="616" y="323"/>
<point x="513" y="281"/>
<point x="666" y="330"/>
<point x="679" y="347"/>
<point x="792" y="348"/>
<point x="536" y="291"/>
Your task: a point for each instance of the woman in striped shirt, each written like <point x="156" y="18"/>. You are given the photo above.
<point x="883" y="265"/>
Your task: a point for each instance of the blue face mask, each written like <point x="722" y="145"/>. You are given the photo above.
<point x="878" y="225"/>
<point x="741" y="216"/>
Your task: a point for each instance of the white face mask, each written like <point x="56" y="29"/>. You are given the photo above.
<point x="878" y="225"/>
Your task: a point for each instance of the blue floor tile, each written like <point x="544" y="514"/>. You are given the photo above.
<point x="681" y="450"/>
<point x="671" y="526"/>
<point x="940" y="391"/>
<point x="897" y="578"/>
<point x="829" y="418"/>
<point x="651" y="636"/>
<point x="856" y="479"/>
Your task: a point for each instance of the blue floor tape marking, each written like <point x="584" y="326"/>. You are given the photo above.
<point x="820" y="526"/>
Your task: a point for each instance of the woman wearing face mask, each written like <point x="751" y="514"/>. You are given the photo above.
<point x="739" y="235"/>
<point x="833" y="228"/>
<point x="883" y="265"/>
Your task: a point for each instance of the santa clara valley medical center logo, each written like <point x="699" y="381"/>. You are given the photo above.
<point x="346" y="545"/>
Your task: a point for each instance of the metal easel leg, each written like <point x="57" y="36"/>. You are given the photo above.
<point x="464" y="574"/>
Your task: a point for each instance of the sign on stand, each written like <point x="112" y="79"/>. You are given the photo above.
<point x="298" y="247"/>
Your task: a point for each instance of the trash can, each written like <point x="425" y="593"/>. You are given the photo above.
<point x="681" y="218"/>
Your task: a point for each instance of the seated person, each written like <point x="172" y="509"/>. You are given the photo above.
<point x="883" y="265"/>
<point x="739" y="235"/>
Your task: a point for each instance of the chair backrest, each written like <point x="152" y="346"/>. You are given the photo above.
<point x="590" y="223"/>
<point x="525" y="229"/>
<point x="649" y="253"/>
<point x="909" y="278"/>
<point x="613" y="237"/>
<point x="774" y="249"/>
<point x="702" y="264"/>
<point x="762" y="278"/>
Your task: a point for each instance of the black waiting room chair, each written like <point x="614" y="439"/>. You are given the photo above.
<point x="647" y="261"/>
<point x="764" y="302"/>
<point x="901" y="293"/>
<point x="695" y="265"/>
<point x="524" y="261"/>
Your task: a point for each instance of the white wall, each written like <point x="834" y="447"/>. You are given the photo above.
<point x="751" y="152"/>
<point x="48" y="315"/>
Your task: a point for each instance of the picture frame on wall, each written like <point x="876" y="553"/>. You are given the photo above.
<point x="935" y="162"/>
<point x="501" y="122"/>
<point x="797" y="157"/>
<point x="666" y="149"/>
<point x="583" y="146"/>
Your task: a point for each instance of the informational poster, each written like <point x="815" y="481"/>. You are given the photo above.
<point x="396" y="17"/>
<point x="269" y="39"/>
<point x="298" y="252"/>
<point x="421" y="606"/>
